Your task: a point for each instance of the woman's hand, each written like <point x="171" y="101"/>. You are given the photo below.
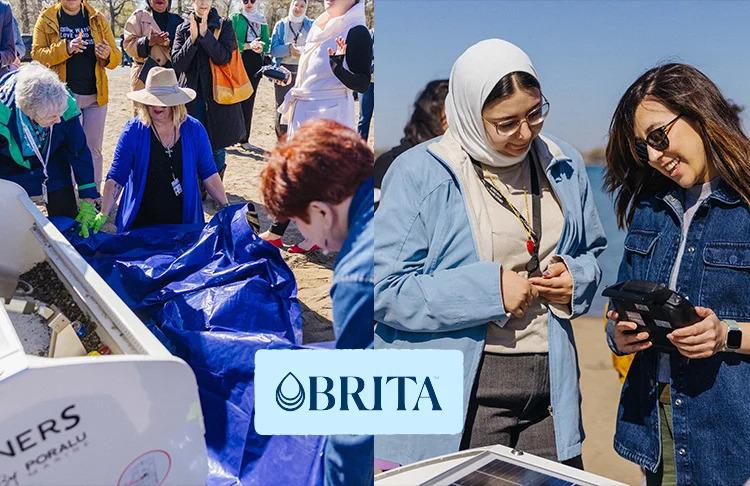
<point x="556" y="284"/>
<point x="625" y="340"/>
<point x="193" y="28"/>
<point x="256" y="46"/>
<point x="102" y="51"/>
<point x="294" y="51"/>
<point x="203" y="27"/>
<point x="703" y="339"/>
<point x="340" y="48"/>
<point x="76" y="45"/>
<point x="518" y="293"/>
<point x="158" y="38"/>
<point x="286" y="80"/>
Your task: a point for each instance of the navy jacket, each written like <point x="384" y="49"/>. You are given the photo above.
<point x="7" y="37"/>
<point x="710" y="397"/>
<point x="68" y="151"/>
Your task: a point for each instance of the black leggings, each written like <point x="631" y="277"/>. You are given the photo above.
<point x="253" y="62"/>
<point x="279" y="227"/>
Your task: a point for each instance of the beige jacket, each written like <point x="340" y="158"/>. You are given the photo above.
<point x="140" y="24"/>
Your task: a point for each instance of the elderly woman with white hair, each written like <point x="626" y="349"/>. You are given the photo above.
<point x="41" y="139"/>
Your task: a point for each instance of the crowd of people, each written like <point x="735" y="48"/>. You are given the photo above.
<point x="160" y="159"/>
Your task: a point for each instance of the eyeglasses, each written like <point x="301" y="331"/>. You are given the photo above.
<point x="248" y="1"/>
<point x="535" y="117"/>
<point x="656" y="139"/>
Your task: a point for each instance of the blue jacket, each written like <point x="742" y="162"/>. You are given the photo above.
<point x="279" y="48"/>
<point x="130" y="168"/>
<point x="710" y="397"/>
<point x="20" y="46"/>
<point x="348" y="459"/>
<point x="7" y="37"/>
<point x="432" y="291"/>
<point x="353" y="278"/>
<point x="68" y="150"/>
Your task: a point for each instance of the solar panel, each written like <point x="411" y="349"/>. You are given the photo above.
<point x="491" y="469"/>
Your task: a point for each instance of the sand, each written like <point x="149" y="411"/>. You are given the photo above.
<point x="599" y="383"/>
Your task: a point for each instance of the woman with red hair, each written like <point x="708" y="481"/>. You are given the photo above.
<point x="322" y="180"/>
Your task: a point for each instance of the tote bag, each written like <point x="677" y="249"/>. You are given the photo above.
<point x="231" y="83"/>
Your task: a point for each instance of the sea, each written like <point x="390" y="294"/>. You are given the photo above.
<point x="609" y="260"/>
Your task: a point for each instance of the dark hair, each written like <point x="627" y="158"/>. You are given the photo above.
<point x="689" y="92"/>
<point x="509" y="84"/>
<point x="426" y="120"/>
<point x="323" y="161"/>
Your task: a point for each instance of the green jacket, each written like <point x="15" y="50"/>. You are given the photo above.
<point x="240" y="24"/>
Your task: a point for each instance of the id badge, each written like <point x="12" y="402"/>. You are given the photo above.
<point x="176" y="187"/>
<point x="44" y="193"/>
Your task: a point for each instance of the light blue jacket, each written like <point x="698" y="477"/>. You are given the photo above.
<point x="432" y="291"/>
<point x="279" y="47"/>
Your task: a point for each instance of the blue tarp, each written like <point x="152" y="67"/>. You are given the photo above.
<point x="214" y="295"/>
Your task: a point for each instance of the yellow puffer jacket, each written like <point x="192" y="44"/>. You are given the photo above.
<point x="50" y="50"/>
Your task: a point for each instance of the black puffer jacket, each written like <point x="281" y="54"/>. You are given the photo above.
<point x="224" y="123"/>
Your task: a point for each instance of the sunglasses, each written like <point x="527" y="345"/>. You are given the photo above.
<point x="248" y="1"/>
<point x="656" y="139"/>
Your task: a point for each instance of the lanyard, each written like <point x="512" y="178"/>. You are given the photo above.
<point x="533" y="230"/>
<point x="176" y="186"/>
<point x="296" y="34"/>
<point x="38" y="154"/>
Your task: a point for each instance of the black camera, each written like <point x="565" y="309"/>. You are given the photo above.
<point x="273" y="72"/>
<point x="653" y="306"/>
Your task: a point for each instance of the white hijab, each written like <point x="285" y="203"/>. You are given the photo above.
<point x="292" y="18"/>
<point x="475" y="73"/>
<point x="256" y="15"/>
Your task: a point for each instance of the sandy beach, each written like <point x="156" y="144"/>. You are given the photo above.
<point x="599" y="382"/>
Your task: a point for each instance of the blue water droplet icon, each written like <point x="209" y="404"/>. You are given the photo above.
<point x="290" y="395"/>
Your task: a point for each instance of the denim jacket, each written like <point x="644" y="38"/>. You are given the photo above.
<point x="432" y="291"/>
<point x="348" y="458"/>
<point x="710" y="397"/>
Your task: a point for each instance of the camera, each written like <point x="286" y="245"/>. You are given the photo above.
<point x="652" y="306"/>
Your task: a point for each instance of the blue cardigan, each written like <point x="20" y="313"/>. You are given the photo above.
<point x="130" y="168"/>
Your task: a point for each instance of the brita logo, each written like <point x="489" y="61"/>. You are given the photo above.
<point x="295" y="396"/>
<point x="381" y="392"/>
<point x="349" y="392"/>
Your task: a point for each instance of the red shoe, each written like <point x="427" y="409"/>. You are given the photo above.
<point x="298" y="249"/>
<point x="277" y="243"/>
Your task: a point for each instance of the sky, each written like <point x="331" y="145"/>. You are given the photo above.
<point x="586" y="52"/>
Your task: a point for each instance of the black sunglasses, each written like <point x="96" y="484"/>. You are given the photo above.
<point x="248" y="1"/>
<point x="656" y="139"/>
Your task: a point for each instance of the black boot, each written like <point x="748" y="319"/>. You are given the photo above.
<point x="252" y="217"/>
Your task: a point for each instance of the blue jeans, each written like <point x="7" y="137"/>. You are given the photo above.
<point x="366" y="105"/>
<point x="348" y="460"/>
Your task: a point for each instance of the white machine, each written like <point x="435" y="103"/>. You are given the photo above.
<point x="131" y="418"/>
<point x="489" y="466"/>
